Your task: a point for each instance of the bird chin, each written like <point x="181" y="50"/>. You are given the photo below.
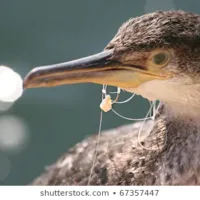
<point x="153" y="90"/>
<point x="139" y="91"/>
<point x="173" y="94"/>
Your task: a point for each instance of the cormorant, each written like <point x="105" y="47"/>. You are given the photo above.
<point x="157" y="56"/>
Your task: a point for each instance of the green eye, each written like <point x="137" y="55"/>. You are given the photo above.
<point x="160" y="58"/>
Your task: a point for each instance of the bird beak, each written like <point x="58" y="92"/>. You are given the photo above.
<point x="99" y="68"/>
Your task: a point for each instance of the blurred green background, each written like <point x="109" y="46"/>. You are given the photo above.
<point x="45" y="122"/>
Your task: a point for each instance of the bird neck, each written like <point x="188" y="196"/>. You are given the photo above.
<point x="179" y="115"/>
<point x="182" y="112"/>
<point x="179" y="151"/>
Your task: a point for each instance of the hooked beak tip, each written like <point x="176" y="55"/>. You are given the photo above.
<point x="76" y="71"/>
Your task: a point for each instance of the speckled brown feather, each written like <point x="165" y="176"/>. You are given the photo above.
<point x="115" y="151"/>
<point x="173" y="160"/>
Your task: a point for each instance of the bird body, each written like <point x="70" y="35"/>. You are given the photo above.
<point x="172" y="156"/>
<point x="156" y="56"/>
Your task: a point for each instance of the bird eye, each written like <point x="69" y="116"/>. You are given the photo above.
<point x="160" y="58"/>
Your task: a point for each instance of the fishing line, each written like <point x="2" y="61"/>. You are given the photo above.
<point x="131" y="119"/>
<point x="155" y="110"/>
<point x="125" y="101"/>
<point x="141" y="127"/>
<point x="98" y="136"/>
<point x="150" y="115"/>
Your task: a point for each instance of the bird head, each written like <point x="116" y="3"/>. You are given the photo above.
<point x="155" y="55"/>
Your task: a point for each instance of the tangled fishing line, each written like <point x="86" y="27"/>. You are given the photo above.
<point x="106" y="105"/>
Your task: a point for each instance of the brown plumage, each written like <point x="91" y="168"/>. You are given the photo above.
<point x="175" y="135"/>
